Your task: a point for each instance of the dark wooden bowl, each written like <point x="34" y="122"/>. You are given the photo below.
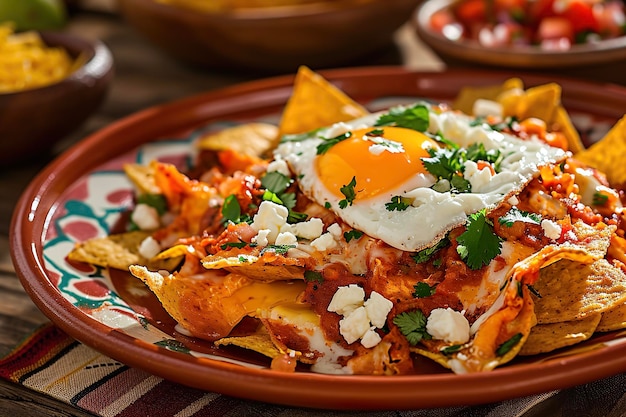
<point x="33" y="121"/>
<point x="271" y="39"/>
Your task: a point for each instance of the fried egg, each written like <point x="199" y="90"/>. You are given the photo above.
<point x="380" y="165"/>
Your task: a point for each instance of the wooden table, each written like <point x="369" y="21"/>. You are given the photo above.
<point x="144" y="77"/>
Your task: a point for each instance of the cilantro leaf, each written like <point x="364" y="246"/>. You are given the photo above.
<point x="412" y="325"/>
<point x="398" y="203"/>
<point x="231" y="210"/>
<point x="352" y="234"/>
<point x="479" y="242"/>
<point x="349" y="193"/>
<point x="449" y="350"/>
<point x="423" y="290"/>
<point x="599" y="199"/>
<point x="328" y="143"/>
<point x="508" y="345"/>
<point x="425" y="254"/>
<point x="278" y="249"/>
<point x="477" y="152"/>
<point x="275" y="182"/>
<point x="157" y="201"/>
<point x="517" y="215"/>
<point x="416" y="118"/>
<point x="239" y="245"/>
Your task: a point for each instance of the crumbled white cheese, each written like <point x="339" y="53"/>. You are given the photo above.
<point x="272" y="217"/>
<point x="371" y="338"/>
<point x="513" y="200"/>
<point x="377" y="307"/>
<point x="448" y="325"/>
<point x="146" y="217"/>
<point x="360" y="317"/>
<point x="149" y="247"/>
<point x="353" y="326"/>
<point x="324" y="242"/>
<point x="478" y="178"/>
<point x="346" y="299"/>
<point x="286" y="238"/>
<point x="551" y="229"/>
<point x="261" y="238"/>
<point x="279" y="165"/>
<point x="335" y="230"/>
<point x="309" y="229"/>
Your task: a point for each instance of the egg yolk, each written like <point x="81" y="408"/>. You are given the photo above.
<point x="380" y="159"/>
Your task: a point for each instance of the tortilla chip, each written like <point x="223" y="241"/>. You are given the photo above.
<point x="255" y="267"/>
<point x="613" y="318"/>
<point x="210" y="305"/>
<point x="259" y="342"/>
<point x="254" y="139"/>
<point x="570" y="291"/>
<point x="540" y="102"/>
<point x="468" y="95"/>
<point x="607" y="155"/>
<point x="118" y="251"/>
<point x="548" y="337"/>
<point x="315" y="103"/>
<point x="142" y="176"/>
<point x="563" y="123"/>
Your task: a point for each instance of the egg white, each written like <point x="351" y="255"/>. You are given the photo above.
<point x="432" y="214"/>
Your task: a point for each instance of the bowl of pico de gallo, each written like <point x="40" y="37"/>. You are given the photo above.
<point x="525" y="33"/>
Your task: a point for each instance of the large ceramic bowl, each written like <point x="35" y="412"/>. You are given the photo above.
<point x="527" y="57"/>
<point x="271" y="39"/>
<point x="85" y="192"/>
<point x="33" y="121"/>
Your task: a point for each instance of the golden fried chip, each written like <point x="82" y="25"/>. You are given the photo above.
<point x="548" y="337"/>
<point x="564" y="124"/>
<point x="118" y="251"/>
<point x="468" y="95"/>
<point x="613" y="319"/>
<point x="210" y="305"/>
<point x="608" y="154"/>
<point x="570" y="291"/>
<point x="541" y="102"/>
<point x="254" y="139"/>
<point x="142" y="176"/>
<point x="259" y="342"/>
<point x="315" y="103"/>
<point x="255" y="267"/>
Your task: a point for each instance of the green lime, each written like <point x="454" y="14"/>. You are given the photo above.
<point x="34" y="14"/>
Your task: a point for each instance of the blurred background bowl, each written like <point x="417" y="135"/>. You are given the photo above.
<point x="512" y="56"/>
<point x="271" y="39"/>
<point x="32" y="121"/>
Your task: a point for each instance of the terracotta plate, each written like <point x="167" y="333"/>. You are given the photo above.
<point x="83" y="193"/>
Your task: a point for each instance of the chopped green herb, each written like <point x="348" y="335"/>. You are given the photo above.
<point x="508" y="345"/>
<point x="449" y="350"/>
<point x="243" y="259"/>
<point x="352" y="234"/>
<point x="425" y="254"/>
<point x="279" y="249"/>
<point x="275" y="182"/>
<point x="323" y="147"/>
<point x="327" y="205"/>
<point x="313" y="276"/>
<point x="349" y="193"/>
<point x="599" y="199"/>
<point x="398" y="203"/>
<point x="273" y="197"/>
<point x="238" y="245"/>
<point x="479" y="242"/>
<point x="416" y="118"/>
<point x="375" y="132"/>
<point x="412" y="325"/>
<point x="299" y="137"/>
<point x="231" y="210"/>
<point x="157" y="201"/>
<point x="423" y="290"/>
<point x="517" y="215"/>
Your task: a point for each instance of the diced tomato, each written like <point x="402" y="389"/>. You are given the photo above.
<point x="580" y="14"/>
<point x="540" y="9"/>
<point x="554" y="28"/>
<point x="611" y="19"/>
<point x="471" y="11"/>
<point x="441" y="19"/>
<point x="516" y="9"/>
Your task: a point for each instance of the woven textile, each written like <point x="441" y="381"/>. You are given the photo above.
<point x="51" y="362"/>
